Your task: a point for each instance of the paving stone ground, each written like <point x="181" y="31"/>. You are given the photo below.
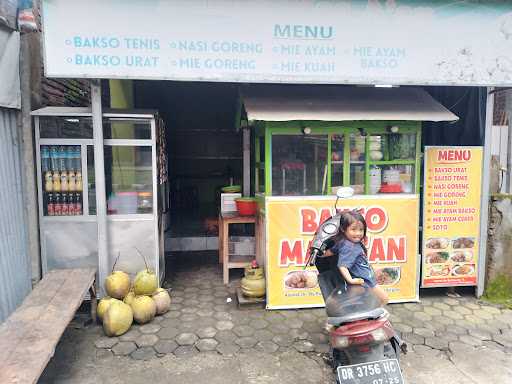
<point x="204" y="319"/>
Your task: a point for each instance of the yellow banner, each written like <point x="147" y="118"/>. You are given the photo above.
<point x="392" y="246"/>
<point x="453" y="177"/>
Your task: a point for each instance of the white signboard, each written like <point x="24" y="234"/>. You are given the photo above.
<point x="299" y="41"/>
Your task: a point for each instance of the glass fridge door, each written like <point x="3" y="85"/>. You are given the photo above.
<point x="61" y="179"/>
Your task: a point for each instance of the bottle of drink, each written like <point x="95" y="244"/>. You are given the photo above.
<point x="54" y="158"/>
<point x="78" y="182"/>
<point x="62" y="158"/>
<point x="48" y="181"/>
<point x="45" y="158"/>
<point x="57" y="205"/>
<point x="50" y="205"/>
<point x="78" y="204"/>
<point x="71" y="181"/>
<point x="64" y="205"/>
<point x="64" y="181"/>
<point x="70" y="149"/>
<point x="71" y="204"/>
<point x="56" y="181"/>
<point x="77" y="158"/>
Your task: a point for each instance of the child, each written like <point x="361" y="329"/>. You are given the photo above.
<point x="352" y="254"/>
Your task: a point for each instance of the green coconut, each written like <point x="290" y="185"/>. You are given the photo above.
<point x="117" y="284"/>
<point x="145" y="283"/>
<point x="162" y="301"/>
<point x="144" y="309"/>
<point x="129" y="298"/>
<point x="117" y="319"/>
<point x="103" y="305"/>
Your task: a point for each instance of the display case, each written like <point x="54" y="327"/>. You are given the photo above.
<point x="316" y="159"/>
<point x="67" y="183"/>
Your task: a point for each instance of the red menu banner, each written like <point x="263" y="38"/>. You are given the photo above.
<point x="451" y="216"/>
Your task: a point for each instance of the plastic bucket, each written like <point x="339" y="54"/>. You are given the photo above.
<point x="246" y="206"/>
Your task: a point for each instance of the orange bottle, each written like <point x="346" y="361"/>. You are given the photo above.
<point x="71" y="181"/>
<point x="78" y="182"/>
<point x="64" y="181"/>
<point x="48" y="182"/>
<point x="56" y="181"/>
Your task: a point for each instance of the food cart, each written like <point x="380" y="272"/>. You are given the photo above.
<point x="134" y="179"/>
<point x="309" y="141"/>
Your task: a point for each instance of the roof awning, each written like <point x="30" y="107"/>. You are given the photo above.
<point x="341" y="103"/>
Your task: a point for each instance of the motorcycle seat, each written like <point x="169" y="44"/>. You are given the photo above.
<point x="350" y="317"/>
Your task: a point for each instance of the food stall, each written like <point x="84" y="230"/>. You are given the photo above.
<point x="309" y="141"/>
<point x="134" y="179"/>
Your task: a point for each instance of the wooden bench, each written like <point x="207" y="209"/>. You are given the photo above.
<point x="29" y="336"/>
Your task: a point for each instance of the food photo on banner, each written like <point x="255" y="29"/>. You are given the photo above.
<point x="392" y="244"/>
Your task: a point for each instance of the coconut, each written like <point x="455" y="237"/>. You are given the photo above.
<point x="162" y="301"/>
<point x="129" y="298"/>
<point x="117" y="284"/>
<point x="145" y="283"/>
<point x="144" y="309"/>
<point x="118" y="318"/>
<point x="103" y="306"/>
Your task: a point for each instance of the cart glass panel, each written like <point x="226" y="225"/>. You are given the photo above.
<point x="337" y="156"/>
<point x="392" y="179"/>
<point x="129" y="179"/>
<point x="59" y="127"/>
<point x="402" y="146"/>
<point x="126" y="129"/>
<point x="357" y="162"/>
<point x="299" y="165"/>
<point x="61" y="170"/>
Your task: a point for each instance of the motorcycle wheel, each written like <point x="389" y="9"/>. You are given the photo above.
<point x="338" y="358"/>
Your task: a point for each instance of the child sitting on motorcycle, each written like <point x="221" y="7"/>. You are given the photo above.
<point x="352" y="254"/>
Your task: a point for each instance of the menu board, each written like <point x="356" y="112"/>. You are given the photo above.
<point x="451" y="216"/>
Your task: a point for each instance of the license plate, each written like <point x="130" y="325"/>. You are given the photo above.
<point x="375" y="372"/>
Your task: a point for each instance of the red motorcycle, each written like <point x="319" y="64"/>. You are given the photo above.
<point x="364" y="348"/>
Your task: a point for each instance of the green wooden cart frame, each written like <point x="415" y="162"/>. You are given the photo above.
<point x="265" y="130"/>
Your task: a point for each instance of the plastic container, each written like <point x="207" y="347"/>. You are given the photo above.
<point x="246" y="206"/>
<point x="375" y="180"/>
<point x="391" y="176"/>
<point x="231" y="189"/>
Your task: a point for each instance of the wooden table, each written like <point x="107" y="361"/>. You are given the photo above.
<point x="235" y="261"/>
<point x="29" y="336"/>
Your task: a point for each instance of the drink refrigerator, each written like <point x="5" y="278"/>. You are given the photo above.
<point x="135" y="177"/>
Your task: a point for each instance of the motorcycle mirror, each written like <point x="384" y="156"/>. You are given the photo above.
<point x="345" y="192"/>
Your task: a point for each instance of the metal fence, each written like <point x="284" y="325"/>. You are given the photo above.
<point x="15" y="276"/>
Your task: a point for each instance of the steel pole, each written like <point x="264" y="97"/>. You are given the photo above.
<point x="99" y="172"/>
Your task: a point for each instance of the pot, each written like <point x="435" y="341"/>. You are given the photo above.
<point x="246" y="206"/>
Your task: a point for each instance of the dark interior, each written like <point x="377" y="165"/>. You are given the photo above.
<point x="205" y="146"/>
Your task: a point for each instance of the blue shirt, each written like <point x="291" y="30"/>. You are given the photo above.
<point x="351" y="256"/>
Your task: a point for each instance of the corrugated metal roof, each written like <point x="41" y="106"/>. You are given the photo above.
<point x="341" y="103"/>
